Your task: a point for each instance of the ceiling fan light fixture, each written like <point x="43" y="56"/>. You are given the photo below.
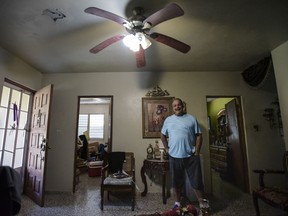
<point x="135" y="47"/>
<point x="134" y="41"/>
<point x="131" y="42"/>
<point x="143" y="40"/>
<point x="138" y="27"/>
<point x="147" y="26"/>
<point x="127" y="25"/>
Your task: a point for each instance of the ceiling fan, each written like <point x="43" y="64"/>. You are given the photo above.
<point x="138" y="27"/>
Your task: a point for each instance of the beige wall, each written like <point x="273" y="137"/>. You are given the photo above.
<point x="128" y="89"/>
<point x="15" y="69"/>
<point x="280" y="61"/>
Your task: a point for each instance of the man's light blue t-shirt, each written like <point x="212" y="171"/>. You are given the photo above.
<point x="181" y="131"/>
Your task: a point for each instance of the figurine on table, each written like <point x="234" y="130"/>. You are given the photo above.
<point x="150" y="152"/>
<point x="157" y="154"/>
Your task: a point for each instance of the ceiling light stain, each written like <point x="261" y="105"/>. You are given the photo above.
<point x="54" y="14"/>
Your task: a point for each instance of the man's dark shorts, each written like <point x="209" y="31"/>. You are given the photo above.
<point x="191" y="166"/>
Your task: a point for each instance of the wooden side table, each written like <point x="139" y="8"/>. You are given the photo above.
<point x="163" y="167"/>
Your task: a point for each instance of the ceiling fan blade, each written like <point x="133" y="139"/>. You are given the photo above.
<point x="106" y="14"/>
<point x="178" y="45"/>
<point x="168" y="12"/>
<point x="140" y="58"/>
<point x="106" y="43"/>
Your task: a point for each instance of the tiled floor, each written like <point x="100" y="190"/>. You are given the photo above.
<point x="85" y="202"/>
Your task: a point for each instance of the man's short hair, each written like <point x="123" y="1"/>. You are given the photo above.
<point x="178" y="99"/>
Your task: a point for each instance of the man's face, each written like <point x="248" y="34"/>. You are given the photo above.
<point x="177" y="107"/>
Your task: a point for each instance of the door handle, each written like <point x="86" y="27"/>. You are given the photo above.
<point x="43" y="148"/>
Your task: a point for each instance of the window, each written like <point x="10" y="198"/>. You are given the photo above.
<point x="93" y="123"/>
<point x="14" y="111"/>
<point x="83" y="124"/>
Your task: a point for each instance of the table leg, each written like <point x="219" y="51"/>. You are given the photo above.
<point x="164" y="187"/>
<point x="144" y="181"/>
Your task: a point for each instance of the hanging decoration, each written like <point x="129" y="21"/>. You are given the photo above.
<point x="157" y="91"/>
<point x="15" y="116"/>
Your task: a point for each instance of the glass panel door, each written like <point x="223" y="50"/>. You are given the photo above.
<point x="14" y="111"/>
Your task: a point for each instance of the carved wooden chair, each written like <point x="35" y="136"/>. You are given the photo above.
<point x="276" y="197"/>
<point x="114" y="178"/>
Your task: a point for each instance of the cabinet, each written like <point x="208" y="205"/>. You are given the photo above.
<point x="221" y="128"/>
<point x="220" y="148"/>
<point x="220" y="157"/>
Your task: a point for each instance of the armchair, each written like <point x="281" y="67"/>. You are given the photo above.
<point x="276" y="197"/>
<point x="114" y="178"/>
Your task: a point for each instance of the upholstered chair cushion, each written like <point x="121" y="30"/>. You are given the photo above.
<point x="110" y="180"/>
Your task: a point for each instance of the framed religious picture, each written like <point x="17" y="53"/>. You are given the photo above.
<point x="154" y="111"/>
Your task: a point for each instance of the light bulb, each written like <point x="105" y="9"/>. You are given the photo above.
<point x="128" y="40"/>
<point x="134" y="41"/>
<point x="135" y="47"/>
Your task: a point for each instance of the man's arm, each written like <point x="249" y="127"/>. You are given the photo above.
<point x="164" y="141"/>
<point x="198" y="144"/>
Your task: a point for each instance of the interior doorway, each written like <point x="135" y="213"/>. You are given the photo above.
<point x="228" y="158"/>
<point x="94" y="124"/>
<point x="24" y="130"/>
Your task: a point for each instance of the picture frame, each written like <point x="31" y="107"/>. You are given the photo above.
<point x="154" y="111"/>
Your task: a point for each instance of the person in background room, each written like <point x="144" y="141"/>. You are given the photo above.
<point x="182" y="139"/>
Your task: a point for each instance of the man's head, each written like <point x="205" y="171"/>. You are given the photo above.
<point x="177" y="106"/>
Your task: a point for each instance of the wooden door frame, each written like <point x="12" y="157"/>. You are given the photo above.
<point x="76" y="132"/>
<point x="242" y="134"/>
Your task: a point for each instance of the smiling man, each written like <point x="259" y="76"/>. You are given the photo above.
<point x="182" y="139"/>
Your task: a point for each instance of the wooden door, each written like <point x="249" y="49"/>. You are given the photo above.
<point x="34" y="185"/>
<point x="237" y="144"/>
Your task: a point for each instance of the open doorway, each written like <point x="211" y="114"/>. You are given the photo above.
<point x="24" y="129"/>
<point x="94" y="124"/>
<point x="228" y="159"/>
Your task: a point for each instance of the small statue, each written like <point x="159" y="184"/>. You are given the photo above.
<point x="157" y="154"/>
<point x="150" y="152"/>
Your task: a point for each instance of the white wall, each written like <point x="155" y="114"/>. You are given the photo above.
<point x="128" y="90"/>
<point x="280" y="61"/>
<point x="15" y="69"/>
<point x="264" y="148"/>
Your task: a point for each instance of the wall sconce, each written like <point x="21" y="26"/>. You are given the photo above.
<point x="269" y="116"/>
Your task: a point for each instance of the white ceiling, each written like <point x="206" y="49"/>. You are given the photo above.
<point x="223" y="35"/>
